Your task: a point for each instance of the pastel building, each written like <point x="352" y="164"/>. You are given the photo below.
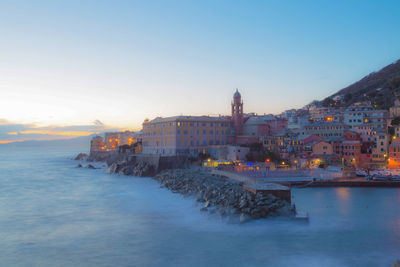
<point x="395" y="110"/>
<point x="397" y="131"/>
<point x="394" y="154"/>
<point x="326" y="129"/>
<point x="113" y="140"/>
<point x="322" y="148"/>
<point x="96" y="144"/>
<point x="256" y="126"/>
<point x="366" y="115"/>
<point x="184" y="135"/>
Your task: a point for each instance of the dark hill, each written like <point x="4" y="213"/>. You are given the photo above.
<point x="380" y="88"/>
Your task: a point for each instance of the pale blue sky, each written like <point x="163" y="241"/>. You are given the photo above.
<point x="72" y="62"/>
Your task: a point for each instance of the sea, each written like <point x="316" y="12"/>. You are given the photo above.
<point x="54" y="214"/>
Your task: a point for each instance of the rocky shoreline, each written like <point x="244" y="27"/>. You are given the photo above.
<point x="215" y="194"/>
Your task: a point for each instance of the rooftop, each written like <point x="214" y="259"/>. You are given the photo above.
<point x="189" y="118"/>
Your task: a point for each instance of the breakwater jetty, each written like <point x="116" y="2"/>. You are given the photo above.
<point x="222" y="195"/>
<point x="215" y="193"/>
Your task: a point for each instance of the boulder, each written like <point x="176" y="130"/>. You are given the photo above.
<point x="113" y="168"/>
<point x="244" y="218"/>
<point x="79" y="166"/>
<point x="81" y="156"/>
<point x="90" y="166"/>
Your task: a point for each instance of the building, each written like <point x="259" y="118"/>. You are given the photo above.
<point x="397" y="131"/>
<point x="96" y="144"/>
<point x="275" y="123"/>
<point x="184" y="135"/>
<point x="326" y="114"/>
<point x="394" y="154"/>
<point x="351" y="149"/>
<point x="395" y="110"/>
<point x="380" y="148"/>
<point x="322" y="148"/>
<point x="237" y="113"/>
<point x="229" y="153"/>
<point x="256" y="126"/>
<point x="114" y="140"/>
<point x="269" y="143"/>
<point x="326" y="129"/>
<point x="366" y="115"/>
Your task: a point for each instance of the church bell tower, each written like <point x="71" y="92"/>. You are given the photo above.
<point x="237" y="113"/>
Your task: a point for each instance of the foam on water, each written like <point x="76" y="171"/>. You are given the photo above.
<point x="53" y="214"/>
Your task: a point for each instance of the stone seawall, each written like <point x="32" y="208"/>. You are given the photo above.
<point x="143" y="165"/>
<point x="102" y="155"/>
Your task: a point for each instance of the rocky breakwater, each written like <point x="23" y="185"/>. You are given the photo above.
<point x="223" y="196"/>
<point x="124" y="167"/>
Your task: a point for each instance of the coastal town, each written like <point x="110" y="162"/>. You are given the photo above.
<point x="341" y="142"/>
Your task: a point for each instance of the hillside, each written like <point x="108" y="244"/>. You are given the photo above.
<point x="380" y="88"/>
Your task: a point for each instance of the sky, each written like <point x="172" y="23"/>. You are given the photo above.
<point x="73" y="68"/>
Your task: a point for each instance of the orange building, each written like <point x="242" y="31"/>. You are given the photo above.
<point x="394" y="154"/>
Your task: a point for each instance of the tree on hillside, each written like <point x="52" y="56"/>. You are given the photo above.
<point x="327" y="102"/>
<point x="348" y="97"/>
<point x="395" y="121"/>
<point x="394" y="83"/>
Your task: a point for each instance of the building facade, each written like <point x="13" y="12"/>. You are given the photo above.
<point x="326" y="129"/>
<point x="184" y="135"/>
<point x="366" y="115"/>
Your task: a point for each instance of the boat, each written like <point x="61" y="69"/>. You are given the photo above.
<point x="361" y="173"/>
<point x="395" y="178"/>
<point x="380" y="177"/>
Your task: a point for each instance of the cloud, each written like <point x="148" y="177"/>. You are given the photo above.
<point x="14" y="132"/>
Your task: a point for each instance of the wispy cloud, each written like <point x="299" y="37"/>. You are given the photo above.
<point x="14" y="132"/>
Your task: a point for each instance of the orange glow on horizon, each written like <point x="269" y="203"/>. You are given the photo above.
<point x="50" y="132"/>
<point x="10" y="141"/>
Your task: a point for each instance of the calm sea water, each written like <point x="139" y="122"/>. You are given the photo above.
<point x="53" y="214"/>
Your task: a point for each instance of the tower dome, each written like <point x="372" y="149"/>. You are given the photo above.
<point x="237" y="94"/>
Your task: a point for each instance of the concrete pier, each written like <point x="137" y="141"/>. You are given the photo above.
<point x="255" y="186"/>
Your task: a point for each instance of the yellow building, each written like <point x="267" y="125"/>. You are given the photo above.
<point x="96" y="144"/>
<point x="113" y="140"/>
<point x="322" y="148"/>
<point x="184" y="135"/>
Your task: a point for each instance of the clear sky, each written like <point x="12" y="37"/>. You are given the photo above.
<point x="70" y="68"/>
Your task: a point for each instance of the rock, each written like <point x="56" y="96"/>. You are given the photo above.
<point x="81" y="156"/>
<point x="90" y="166"/>
<point x="396" y="264"/>
<point x="79" y="166"/>
<point x="243" y="218"/>
<point x="218" y="193"/>
<point x="113" y="168"/>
